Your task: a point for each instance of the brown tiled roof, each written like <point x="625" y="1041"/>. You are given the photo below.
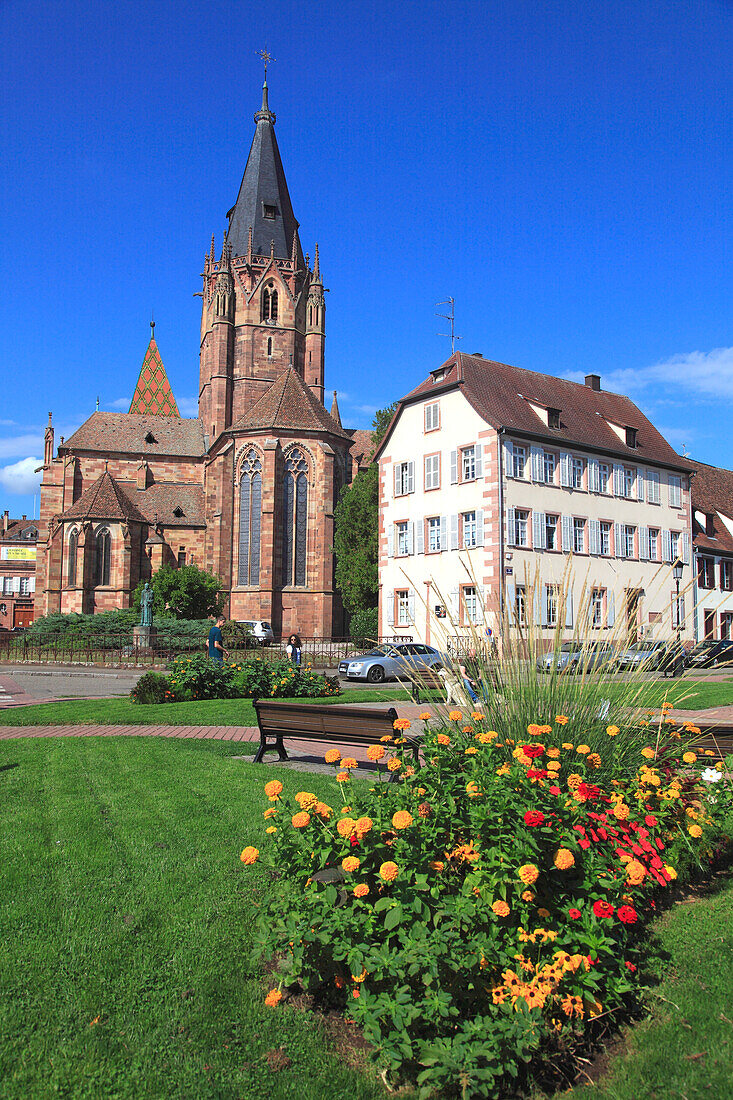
<point x="162" y="499"/>
<point x="712" y="493"/>
<point x="105" y="499"/>
<point x="15" y="530"/>
<point x="125" y="433"/>
<point x="153" y="394"/>
<point x="363" y="446"/>
<point x="289" y="405"/>
<point x="501" y="395"/>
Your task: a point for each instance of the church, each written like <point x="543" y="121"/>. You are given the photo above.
<point x="247" y="489"/>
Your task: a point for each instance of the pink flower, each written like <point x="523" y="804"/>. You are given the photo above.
<point x="574" y="914"/>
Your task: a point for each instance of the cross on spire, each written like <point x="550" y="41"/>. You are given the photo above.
<point x="266" y="59"/>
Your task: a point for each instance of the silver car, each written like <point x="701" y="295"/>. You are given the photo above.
<point x="645" y="655"/>
<point x="575" y="657"/>
<point x="261" y="631"/>
<point x="390" y="662"/>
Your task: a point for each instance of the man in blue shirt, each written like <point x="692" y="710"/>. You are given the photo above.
<point x="215" y="643"/>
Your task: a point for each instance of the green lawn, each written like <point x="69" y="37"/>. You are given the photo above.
<point x="240" y="712"/>
<point x="126" y="924"/>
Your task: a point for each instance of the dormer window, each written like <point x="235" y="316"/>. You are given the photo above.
<point x="178" y="511"/>
<point x="553" y="418"/>
<point x="437" y="376"/>
<point x="710" y="525"/>
<point x="631" y="438"/>
<point x="269" y="212"/>
<point x="150" y="438"/>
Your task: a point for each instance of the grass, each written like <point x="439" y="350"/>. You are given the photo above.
<point x="127" y="929"/>
<point x="684" y="1050"/>
<point x="240" y="712"/>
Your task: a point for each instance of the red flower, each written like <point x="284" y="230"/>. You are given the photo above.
<point x="534" y="817"/>
<point x="536" y="773"/>
<point x="588" y="791"/>
<point x="591" y="961"/>
<point x="659" y="843"/>
<point x="584" y="843"/>
<point x="554" y="790"/>
<point x="627" y="914"/>
<point x="532" y="751"/>
<point x="354" y="842"/>
<point x="630" y="966"/>
<point x="603" y="909"/>
<point x="574" y="914"/>
<point x="650" y="820"/>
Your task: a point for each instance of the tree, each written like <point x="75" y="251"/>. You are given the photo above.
<point x="187" y="593"/>
<point x="356" y="535"/>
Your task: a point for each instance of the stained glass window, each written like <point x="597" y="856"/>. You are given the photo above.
<point x="73" y="543"/>
<point x="102" y="556"/>
<point x="295" y="519"/>
<point x="250" y="514"/>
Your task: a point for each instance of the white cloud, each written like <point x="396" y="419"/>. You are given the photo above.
<point x="708" y="374"/>
<point x="121" y="403"/>
<point x="21" y="445"/>
<point x="188" y="406"/>
<point x="20" y="477"/>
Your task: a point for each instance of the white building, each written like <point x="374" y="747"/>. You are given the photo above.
<point x="712" y="513"/>
<point x="492" y="476"/>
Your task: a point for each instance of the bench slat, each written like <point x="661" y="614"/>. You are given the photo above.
<point x="358" y="725"/>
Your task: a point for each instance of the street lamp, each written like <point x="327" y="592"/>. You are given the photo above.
<point x="677" y="666"/>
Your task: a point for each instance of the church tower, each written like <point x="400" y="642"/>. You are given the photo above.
<point x="263" y="308"/>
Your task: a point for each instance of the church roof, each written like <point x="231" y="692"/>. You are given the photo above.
<point x="363" y="446"/>
<point x="289" y="405"/>
<point x="171" y="505"/>
<point x="104" y="499"/>
<point x="125" y="433"/>
<point x="263" y="201"/>
<point x="153" y="393"/>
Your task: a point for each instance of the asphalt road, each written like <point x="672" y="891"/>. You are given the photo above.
<point x="70" y="683"/>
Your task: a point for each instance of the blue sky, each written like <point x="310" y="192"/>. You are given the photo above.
<point x="562" y="169"/>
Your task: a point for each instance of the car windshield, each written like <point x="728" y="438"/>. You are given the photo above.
<point x="380" y="651"/>
<point x="568" y="647"/>
<point x="705" y="645"/>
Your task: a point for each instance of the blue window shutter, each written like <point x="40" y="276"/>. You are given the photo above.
<point x="567" y="534"/>
<point x="455" y="602"/>
<point x="479" y="459"/>
<point x="594" y="536"/>
<point x="454" y="467"/>
<point x="618" y="480"/>
<point x="666" y="546"/>
<point x="564" y="469"/>
<point x="640" y="484"/>
<point x="420" y="525"/>
<point x="569" y="607"/>
<point x="479" y="528"/>
<point x="510" y="527"/>
<point x="538" y="530"/>
<point x="685" y="548"/>
<point x="509" y="597"/>
<point x="508" y="459"/>
<point x="610" y="608"/>
<point x="644" y="544"/>
<point x="594" y="476"/>
<point x="443" y="532"/>
<point x="410" y="537"/>
<point x="543" y="620"/>
<point x="390" y="608"/>
<point x="536" y="455"/>
<point x="411" y="606"/>
<point x="396" y="472"/>
<point x="411" y="477"/>
<point x="454" y="532"/>
<point x="617" y="544"/>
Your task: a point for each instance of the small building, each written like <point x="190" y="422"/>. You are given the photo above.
<point x="18" y="538"/>
<point x="712" y="527"/>
<point x="505" y="489"/>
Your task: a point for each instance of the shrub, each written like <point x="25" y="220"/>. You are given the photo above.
<point x="152" y="688"/>
<point x="186" y="592"/>
<point x="198" y="677"/>
<point x="256" y="678"/>
<point x="364" y="627"/>
<point x="489" y="906"/>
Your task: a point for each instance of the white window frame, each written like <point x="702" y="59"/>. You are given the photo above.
<point x="402" y="607"/>
<point x="432" y="416"/>
<point x="653" y="492"/>
<point x="604" y="538"/>
<point x="520" y="604"/>
<point x="653" y="540"/>
<point x="675" y="491"/>
<point x="549" y="465"/>
<point x="579" y="526"/>
<point x="521" y="527"/>
<point x="628" y="535"/>
<point x="597" y="600"/>
<point x="432" y="471"/>
<point x="468" y="463"/>
<point x="628" y="477"/>
<point x="552" y="526"/>
<point x="674" y="546"/>
<point x="433" y="526"/>
<point x="25" y="586"/>
<point x="470" y="604"/>
<point x="404" y="478"/>
<point x="469" y="529"/>
<point x="604" y="476"/>
<point x="519" y="461"/>
<point x="552" y="603"/>
<point x="402" y="540"/>
<point x="577" y="469"/>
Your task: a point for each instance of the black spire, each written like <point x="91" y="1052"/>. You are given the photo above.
<point x="263" y="201"/>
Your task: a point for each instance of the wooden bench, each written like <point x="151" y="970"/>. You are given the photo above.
<point x="718" y="738"/>
<point x="426" y="680"/>
<point x="280" y="720"/>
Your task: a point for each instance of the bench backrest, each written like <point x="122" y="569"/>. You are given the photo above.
<point x="355" y="724"/>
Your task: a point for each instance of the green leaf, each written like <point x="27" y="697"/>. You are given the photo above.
<point x="393" y="918"/>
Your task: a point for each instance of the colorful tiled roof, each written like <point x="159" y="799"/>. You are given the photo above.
<point x="503" y="396"/>
<point x="712" y="495"/>
<point x="104" y="499"/>
<point x="153" y="394"/>
<point x="289" y="405"/>
<point x="122" y="433"/>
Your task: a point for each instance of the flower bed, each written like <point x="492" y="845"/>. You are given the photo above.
<point x="484" y="911"/>
<point x="198" y="677"/>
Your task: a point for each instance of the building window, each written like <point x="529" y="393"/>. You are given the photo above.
<point x="520" y="604"/>
<point x="71" y="567"/>
<point x="521" y="517"/>
<point x="250" y="517"/>
<point x="578" y="536"/>
<point x="269" y="347"/>
<point x="653" y="544"/>
<point x="706" y="572"/>
<point x="435" y="542"/>
<point x="7" y="586"/>
<point x="295" y="519"/>
<point x="674" y="545"/>
<point x="404" y="478"/>
<point x="551" y="604"/>
<point x="548" y="467"/>
<point x="102" y="557"/>
<point x="468" y="464"/>
<point x="604" y="476"/>
<point x="269" y="303"/>
<point x="25" y="586"/>
<point x="468" y="523"/>
<point x="675" y="491"/>
<point x="471" y="609"/>
<point x="553" y="418"/>
<point x="551" y="542"/>
<point x="268" y="211"/>
<point x="181" y="559"/>
<point x="627" y="481"/>
<point x="627" y="540"/>
<point x="605" y="538"/>
<point x="726" y="576"/>
<point x="403" y="539"/>
<point x="402" y="601"/>
<point x="432" y="417"/>
<point x="519" y="461"/>
<point x="432" y="471"/>
<point x="726" y="626"/>
<point x="631" y="437"/>
<point x="597" y="596"/>
<point x="576" y="473"/>
<point x="653" y="494"/>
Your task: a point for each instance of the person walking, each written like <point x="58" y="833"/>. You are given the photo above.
<point x="215" y="642"/>
<point x="294" y="649"/>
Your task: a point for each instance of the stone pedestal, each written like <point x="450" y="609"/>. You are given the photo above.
<point x="143" y="637"/>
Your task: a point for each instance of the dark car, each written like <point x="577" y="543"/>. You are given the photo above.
<point x="390" y="662"/>
<point x="711" y="654"/>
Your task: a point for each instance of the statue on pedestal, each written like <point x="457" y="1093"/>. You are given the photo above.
<point x="146" y="606"/>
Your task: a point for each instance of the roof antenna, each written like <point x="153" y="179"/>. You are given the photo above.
<point x="451" y="303"/>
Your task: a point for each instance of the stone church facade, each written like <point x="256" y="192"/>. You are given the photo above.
<point x="247" y="489"/>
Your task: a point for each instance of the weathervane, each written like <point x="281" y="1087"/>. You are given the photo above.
<point x="266" y="59"/>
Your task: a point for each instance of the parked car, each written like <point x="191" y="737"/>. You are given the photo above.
<point x="261" y="631"/>
<point x="390" y="662"/>
<point x="646" y="655"/>
<point x="711" y="654"/>
<point x="575" y="657"/>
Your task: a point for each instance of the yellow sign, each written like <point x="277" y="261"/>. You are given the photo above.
<point x="17" y="553"/>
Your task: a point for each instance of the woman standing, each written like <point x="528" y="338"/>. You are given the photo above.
<point x="294" y="648"/>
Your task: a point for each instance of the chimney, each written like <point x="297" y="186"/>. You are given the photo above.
<point x="593" y="381"/>
<point x="6" y="522"/>
<point x="477" y="355"/>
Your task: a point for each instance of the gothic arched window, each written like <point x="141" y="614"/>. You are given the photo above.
<point x="71" y="568"/>
<point x="250" y="513"/>
<point x="102" y="556"/>
<point x="295" y="518"/>
<point x="269" y="303"/>
<point x="269" y="347"/>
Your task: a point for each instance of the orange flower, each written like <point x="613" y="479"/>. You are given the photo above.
<point x="361" y="890"/>
<point x="648" y="753"/>
<point x="250" y="854"/>
<point x="332" y="756"/>
<point x="553" y="765"/>
<point x="351" y="863"/>
<point x="300" y="820"/>
<point x="564" y="859"/>
<point x="402" y="820"/>
<point x="594" y="759"/>
<point x="472" y="789"/>
<point x="534" y="730"/>
<point x="424" y="715"/>
<point x="553" y="754"/>
<point x="436" y="865"/>
<point x="477" y="716"/>
<point x="443" y="739"/>
<point x="305" y="800"/>
<point x="467" y="729"/>
<point x="574" y="780"/>
<point x="583" y="749"/>
<point x="342" y="777"/>
<point x="394" y="764"/>
<point x="471" y="750"/>
<point x="528" y="873"/>
<point x="544" y="913"/>
<point x="345" y="826"/>
<point x="501" y="908"/>
<point x="401" y="724"/>
<point x="568" y="746"/>
<point x="389" y="871"/>
<point x="375" y="753"/>
<point x="271" y="829"/>
<point x="689" y="757"/>
<point x="545" y="729"/>
<point x="562" y="719"/>
<point x="273" y="788"/>
<point x="635" y="872"/>
<point x="362" y="826"/>
<point x="621" y="811"/>
<point x="503" y="770"/>
<point x="455" y="715"/>
<point x="323" y="810"/>
<point x="528" y="896"/>
<point x="694" y="830"/>
<point x="612" y="730"/>
<point x="273" y="998"/>
<point x="270" y="812"/>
